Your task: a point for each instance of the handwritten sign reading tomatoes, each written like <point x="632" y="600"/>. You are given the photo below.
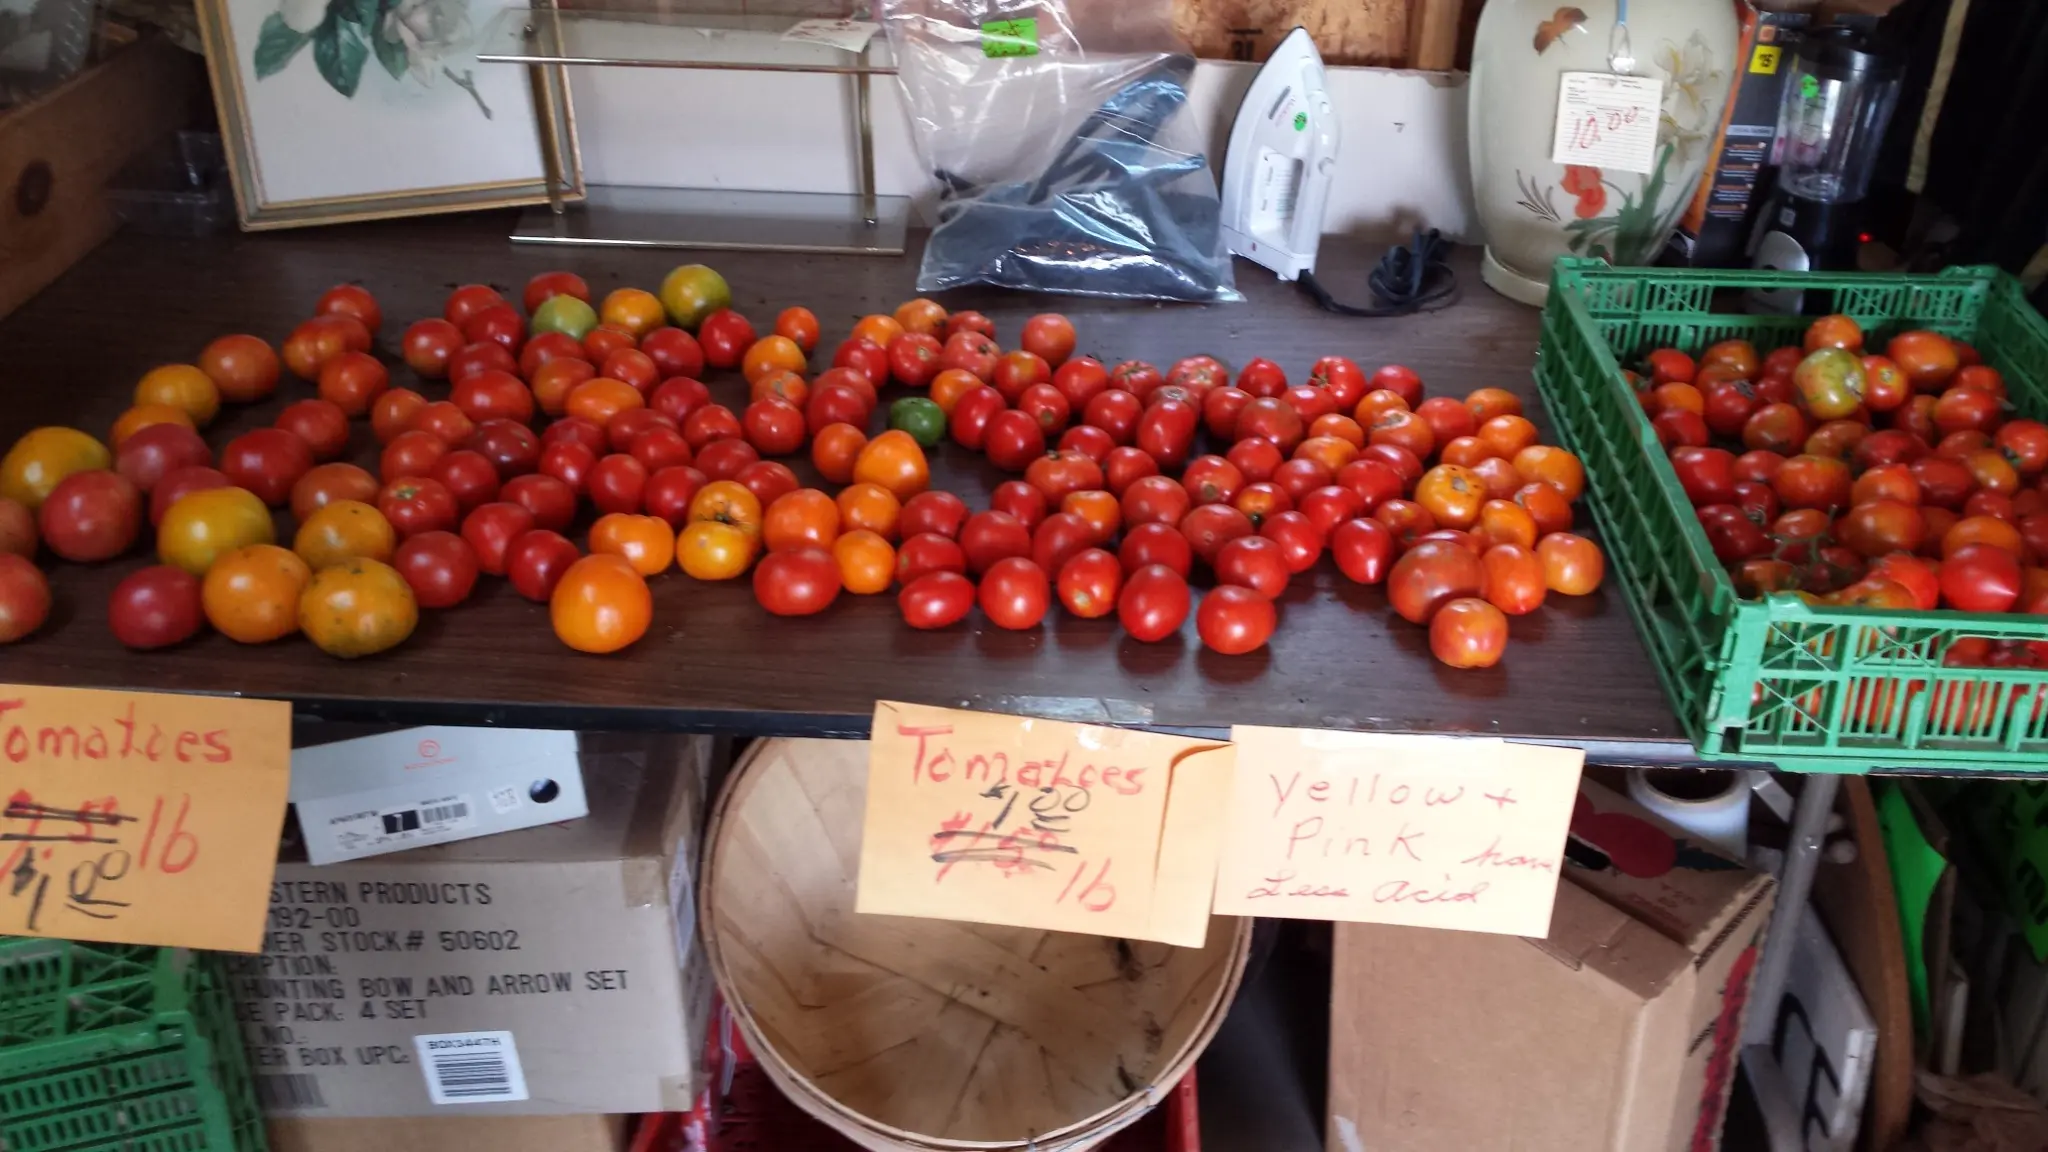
<point x="1040" y="824"/>
<point x="1607" y="121"/>
<point x="140" y="818"/>
<point x="1418" y="830"/>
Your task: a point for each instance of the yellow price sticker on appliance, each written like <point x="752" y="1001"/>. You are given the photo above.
<point x="1765" y="61"/>
<point x="140" y="817"/>
<point x="1427" y="831"/>
<point x="1037" y="823"/>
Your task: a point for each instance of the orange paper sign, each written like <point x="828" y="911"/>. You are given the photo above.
<point x="140" y="818"/>
<point x="1041" y="824"/>
<point x="1420" y="830"/>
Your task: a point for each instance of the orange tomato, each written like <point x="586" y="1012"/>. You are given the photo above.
<point x="1982" y="530"/>
<point x="1101" y="511"/>
<point x="728" y="502"/>
<point x="357" y="608"/>
<point x="1507" y="435"/>
<point x="1500" y="476"/>
<point x="871" y="507"/>
<point x="1340" y="426"/>
<point x="866" y="562"/>
<point x="769" y="354"/>
<point x="553" y="381"/>
<point x="800" y="325"/>
<point x="633" y="310"/>
<point x="601" y="398"/>
<point x="243" y="367"/>
<point x="1546" y="505"/>
<point x="1452" y="494"/>
<point x="1683" y="397"/>
<point x="1404" y="429"/>
<point x="1554" y="466"/>
<point x="896" y="462"/>
<point x="779" y="384"/>
<point x="1486" y="403"/>
<point x="344" y="530"/>
<point x="142" y="416"/>
<point x="921" y="315"/>
<point x="1572" y="565"/>
<point x="1465" y="451"/>
<point x="805" y="518"/>
<point x="1377" y="403"/>
<point x="1332" y="452"/>
<point x="713" y="550"/>
<point x="204" y="525"/>
<point x="251" y="595"/>
<point x="601" y="605"/>
<point x="950" y="385"/>
<point x="1506" y="522"/>
<point x="181" y="386"/>
<point x="878" y="328"/>
<point x="646" y="542"/>
<point x="1835" y="331"/>
<point x="835" y="450"/>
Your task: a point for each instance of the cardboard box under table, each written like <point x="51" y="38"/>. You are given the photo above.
<point x="1619" y="1032"/>
<point x="550" y="970"/>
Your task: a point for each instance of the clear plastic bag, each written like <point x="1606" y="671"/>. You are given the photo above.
<point x="1060" y="138"/>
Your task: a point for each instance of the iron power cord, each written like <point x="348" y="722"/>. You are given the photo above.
<point x="1408" y="279"/>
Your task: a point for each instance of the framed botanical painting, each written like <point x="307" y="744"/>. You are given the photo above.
<point x="338" y="110"/>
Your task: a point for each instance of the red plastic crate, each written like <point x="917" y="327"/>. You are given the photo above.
<point x="741" y="1110"/>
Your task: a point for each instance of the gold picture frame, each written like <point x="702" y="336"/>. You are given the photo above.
<point x="560" y="179"/>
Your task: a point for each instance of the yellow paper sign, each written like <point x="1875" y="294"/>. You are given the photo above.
<point x="1041" y="824"/>
<point x="140" y="818"/>
<point x="1420" y="830"/>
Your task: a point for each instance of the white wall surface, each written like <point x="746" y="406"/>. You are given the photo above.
<point x="1402" y="163"/>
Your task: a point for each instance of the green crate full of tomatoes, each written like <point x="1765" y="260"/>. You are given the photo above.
<point x="1812" y="649"/>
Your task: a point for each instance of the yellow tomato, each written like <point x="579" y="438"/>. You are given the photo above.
<point x="181" y="386"/>
<point x="344" y="530"/>
<point x="203" y="525"/>
<point x="714" y="550"/>
<point x="44" y="456"/>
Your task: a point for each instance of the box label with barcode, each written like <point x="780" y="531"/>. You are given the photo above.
<point x="359" y="832"/>
<point x="471" y="1067"/>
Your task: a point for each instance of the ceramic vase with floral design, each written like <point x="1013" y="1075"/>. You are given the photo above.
<point x="1533" y="210"/>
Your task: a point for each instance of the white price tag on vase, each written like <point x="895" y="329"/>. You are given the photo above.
<point x="1607" y="121"/>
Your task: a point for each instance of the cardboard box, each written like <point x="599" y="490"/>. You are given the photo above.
<point x="1619" y="1032"/>
<point x="592" y="1133"/>
<point x="552" y="970"/>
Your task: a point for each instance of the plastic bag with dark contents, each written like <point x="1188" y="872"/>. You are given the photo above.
<point x="1065" y="154"/>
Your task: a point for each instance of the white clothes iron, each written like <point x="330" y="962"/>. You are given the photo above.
<point x="1283" y="155"/>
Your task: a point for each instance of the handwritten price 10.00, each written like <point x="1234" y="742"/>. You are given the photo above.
<point x="166" y="846"/>
<point x="1592" y="129"/>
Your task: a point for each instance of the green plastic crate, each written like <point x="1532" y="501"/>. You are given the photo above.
<point x="1812" y="689"/>
<point x="106" y="1047"/>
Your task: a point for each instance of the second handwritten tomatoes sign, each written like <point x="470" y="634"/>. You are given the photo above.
<point x="1041" y="824"/>
<point x="140" y="818"/>
<point x="1418" y="830"/>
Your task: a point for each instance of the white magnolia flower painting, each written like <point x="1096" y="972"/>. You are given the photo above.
<point x="424" y="41"/>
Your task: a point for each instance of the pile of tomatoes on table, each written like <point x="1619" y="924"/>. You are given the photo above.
<point x="1451" y="502"/>
<point x="1900" y="480"/>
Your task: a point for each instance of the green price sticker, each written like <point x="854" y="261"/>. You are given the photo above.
<point x="1009" y="38"/>
<point x="1809" y="86"/>
<point x="1301" y="121"/>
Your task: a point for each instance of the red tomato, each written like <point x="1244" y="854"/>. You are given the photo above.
<point x="974" y="353"/>
<point x="24" y="597"/>
<point x="1400" y="380"/>
<point x="1330" y="505"/>
<point x="1706" y="474"/>
<point x="1013" y="439"/>
<point x="1300" y="541"/>
<point x="180" y="482"/>
<point x="726" y="459"/>
<point x="1166" y="432"/>
<point x="936" y="600"/>
<point x="1373" y="481"/>
<point x="1081" y="380"/>
<point x="1020" y="499"/>
<point x="548" y="285"/>
<point x="1049" y="336"/>
<point x="1045" y="404"/>
<point x="439" y="567"/>
<point x="1089" y="583"/>
<point x="469" y="476"/>
<point x="674" y="352"/>
<point x="91" y="516"/>
<point x="1136" y="377"/>
<point x="469" y="300"/>
<point x="1256" y="563"/>
<point x="1014" y="593"/>
<point x="154" y="608"/>
<point x="1198" y="374"/>
<point x="928" y="552"/>
<point x="1430" y="575"/>
<point x="1258" y="458"/>
<point x="934" y="511"/>
<point x="1363" y="549"/>
<point x="1015" y="372"/>
<point x="971" y="415"/>
<point x="1211" y="526"/>
<point x="914" y="359"/>
<point x="867" y="358"/>
<point x="1261" y="377"/>
<point x="669" y="491"/>
<point x="991" y="536"/>
<point x="1058" y="473"/>
<point x="1156" y="543"/>
<point x="774" y="427"/>
<point x="725" y="337"/>
<point x="490" y="530"/>
<point x="536" y="561"/>
<point x="1345" y="383"/>
<point x="146" y="457"/>
<point x="428" y="346"/>
<point x="267" y="462"/>
<point x="1115" y="412"/>
<point x="1154" y="603"/>
<point x="1235" y="620"/>
<point x="1468" y="632"/>
<point x="796" y="581"/>
<point x="552" y="502"/>
<point x="499" y="324"/>
<point x="1092" y="442"/>
<point x="1155" y="499"/>
<point x="511" y="448"/>
<point x="416" y="504"/>
<point x="1980" y="578"/>
<point x="618" y="483"/>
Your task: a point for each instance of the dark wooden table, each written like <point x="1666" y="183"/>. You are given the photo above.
<point x="1575" y="671"/>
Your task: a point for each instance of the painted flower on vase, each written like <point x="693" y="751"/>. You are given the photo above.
<point x="416" y="42"/>
<point x="1583" y="181"/>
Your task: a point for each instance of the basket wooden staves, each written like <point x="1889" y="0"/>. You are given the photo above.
<point x="906" y="1033"/>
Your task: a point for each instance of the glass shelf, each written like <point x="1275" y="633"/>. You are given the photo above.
<point x="654" y="39"/>
<point x="626" y="217"/>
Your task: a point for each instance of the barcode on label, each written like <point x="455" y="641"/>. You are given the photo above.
<point x="471" y="1067"/>
<point x="445" y="812"/>
<point x="289" y="1090"/>
<point x="413" y="819"/>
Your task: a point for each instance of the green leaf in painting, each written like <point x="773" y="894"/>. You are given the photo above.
<point x="390" y="53"/>
<point x="276" y="44"/>
<point x="339" y="51"/>
<point x="361" y="13"/>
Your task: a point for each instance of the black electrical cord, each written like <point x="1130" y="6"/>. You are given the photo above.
<point x="1410" y="278"/>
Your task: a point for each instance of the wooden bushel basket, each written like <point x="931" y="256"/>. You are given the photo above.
<point x="905" y="1033"/>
